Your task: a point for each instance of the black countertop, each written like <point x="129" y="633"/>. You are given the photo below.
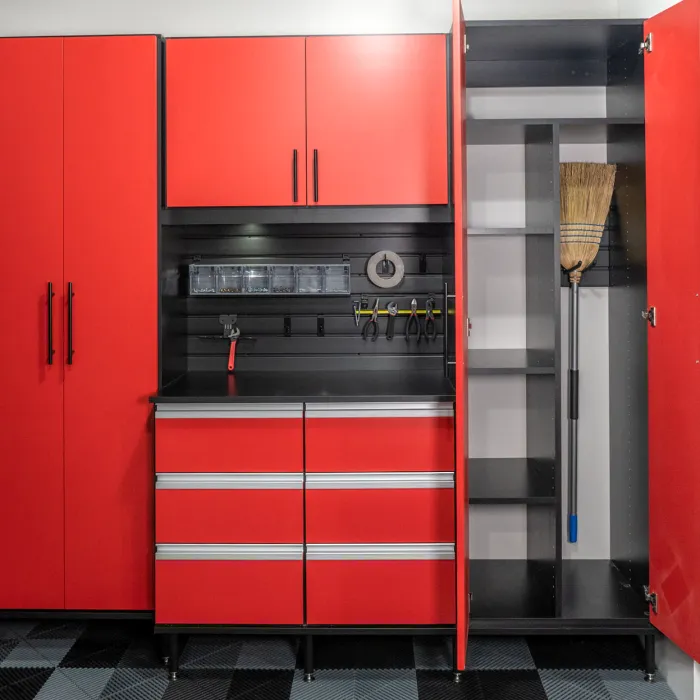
<point x="205" y="387"/>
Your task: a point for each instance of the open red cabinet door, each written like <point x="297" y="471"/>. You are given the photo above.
<point x="459" y="184"/>
<point x="672" y="89"/>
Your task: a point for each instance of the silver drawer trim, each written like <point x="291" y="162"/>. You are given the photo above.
<point x="225" y="410"/>
<point x="355" y="552"/>
<point x="381" y="480"/>
<point x="229" y="552"/>
<point x="380" y="410"/>
<point x="187" y="481"/>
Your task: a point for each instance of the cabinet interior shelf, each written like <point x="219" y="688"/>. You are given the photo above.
<point x="511" y="361"/>
<point x="510" y="596"/>
<point x="522" y="231"/>
<point x="511" y="480"/>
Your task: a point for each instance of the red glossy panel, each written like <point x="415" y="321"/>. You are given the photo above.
<point x="380" y="592"/>
<point x="672" y="74"/>
<point x="31" y="399"/>
<point x="461" y="327"/>
<point x="377" y="114"/>
<point x="379" y="515"/>
<point x="230" y="445"/>
<point x="236" y="111"/>
<point x="235" y="516"/>
<point x="111" y="233"/>
<point x="380" y="444"/>
<point x="229" y="592"/>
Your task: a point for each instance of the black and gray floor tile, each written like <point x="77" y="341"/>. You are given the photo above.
<point x="119" y="661"/>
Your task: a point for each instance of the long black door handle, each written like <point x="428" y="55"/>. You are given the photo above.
<point x="49" y="314"/>
<point x="70" y="323"/>
<point x="315" y="174"/>
<point x="295" y="184"/>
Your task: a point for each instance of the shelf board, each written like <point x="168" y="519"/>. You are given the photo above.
<point x="204" y="216"/>
<point x="511" y="480"/>
<point x="484" y="132"/>
<point x="514" y="596"/>
<point x="511" y="361"/>
<point x="524" y="231"/>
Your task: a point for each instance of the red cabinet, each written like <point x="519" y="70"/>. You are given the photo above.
<point x="79" y="196"/>
<point x="229" y="585"/>
<point x="380" y="584"/>
<point x="262" y="438"/>
<point x="283" y="121"/>
<point x="377" y="119"/>
<point x="230" y="508"/>
<point x="391" y="507"/>
<point x="110" y="246"/>
<point x="422" y="437"/>
<point x="236" y="122"/>
<point x="31" y="400"/>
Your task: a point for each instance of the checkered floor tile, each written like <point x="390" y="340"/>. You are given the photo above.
<point x="121" y="661"/>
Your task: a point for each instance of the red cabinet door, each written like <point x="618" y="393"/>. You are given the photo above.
<point x="236" y="122"/>
<point x="111" y="233"/>
<point x="31" y="394"/>
<point x="672" y="76"/>
<point x="377" y="119"/>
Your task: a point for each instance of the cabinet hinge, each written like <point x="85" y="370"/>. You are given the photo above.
<point x="466" y="46"/>
<point x="651" y="599"/>
<point x="647" y="45"/>
<point x="650" y="316"/>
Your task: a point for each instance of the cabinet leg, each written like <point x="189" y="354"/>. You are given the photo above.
<point x="458" y="673"/>
<point x="649" y="657"/>
<point x="173" y="657"/>
<point x="308" y="658"/>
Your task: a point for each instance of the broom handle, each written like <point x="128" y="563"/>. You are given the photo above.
<point x="573" y="413"/>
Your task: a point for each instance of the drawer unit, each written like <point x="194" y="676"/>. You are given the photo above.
<point x="230" y="508"/>
<point x="370" y="584"/>
<point x="380" y="437"/>
<point x="223" y="437"/>
<point x="380" y="507"/>
<point x="229" y="584"/>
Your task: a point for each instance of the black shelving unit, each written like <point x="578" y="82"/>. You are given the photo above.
<point x="546" y="593"/>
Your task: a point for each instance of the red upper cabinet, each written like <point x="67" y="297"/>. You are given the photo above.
<point x="377" y="120"/>
<point x="236" y="122"/>
<point x="110" y="246"/>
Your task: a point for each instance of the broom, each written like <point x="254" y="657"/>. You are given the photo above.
<point x="585" y="196"/>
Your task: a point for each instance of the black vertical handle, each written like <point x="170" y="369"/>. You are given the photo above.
<point x="295" y="184"/>
<point x="70" y="323"/>
<point x="49" y="308"/>
<point x="315" y="174"/>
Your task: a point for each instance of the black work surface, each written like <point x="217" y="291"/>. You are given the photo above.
<point x="213" y="387"/>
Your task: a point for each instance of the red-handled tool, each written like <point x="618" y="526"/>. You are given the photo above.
<point x="232" y="332"/>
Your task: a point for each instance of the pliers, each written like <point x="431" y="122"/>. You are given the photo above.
<point x="413" y="321"/>
<point x="430" y="325"/>
<point x="371" y="328"/>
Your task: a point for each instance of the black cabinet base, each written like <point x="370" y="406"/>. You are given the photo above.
<point x="76" y="615"/>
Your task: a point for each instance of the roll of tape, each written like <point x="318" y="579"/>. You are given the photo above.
<point x="385" y="282"/>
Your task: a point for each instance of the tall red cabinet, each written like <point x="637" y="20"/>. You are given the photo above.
<point x="79" y="222"/>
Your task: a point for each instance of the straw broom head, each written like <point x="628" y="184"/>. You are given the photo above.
<point x="586" y="193"/>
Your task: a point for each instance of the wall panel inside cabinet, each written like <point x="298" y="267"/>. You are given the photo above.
<point x="290" y="333"/>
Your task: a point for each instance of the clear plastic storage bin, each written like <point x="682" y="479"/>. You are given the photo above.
<point x="310" y="279"/>
<point x="336" y="279"/>
<point x="257" y="279"/>
<point x="284" y="279"/>
<point x="231" y="279"/>
<point x="203" y="279"/>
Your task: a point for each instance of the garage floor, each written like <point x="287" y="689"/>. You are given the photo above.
<point x="56" y="661"/>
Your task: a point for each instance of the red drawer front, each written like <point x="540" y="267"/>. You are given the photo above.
<point x="381" y="515"/>
<point x="380" y="592"/>
<point x="229" y="592"/>
<point x="376" y="444"/>
<point x="229" y="444"/>
<point x="236" y="515"/>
